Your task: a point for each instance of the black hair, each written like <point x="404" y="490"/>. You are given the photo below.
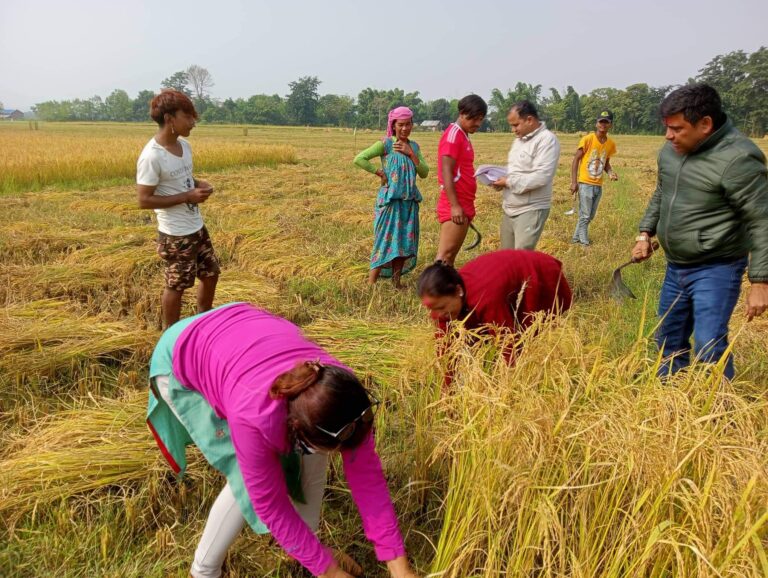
<point x="438" y="280"/>
<point x="525" y="108"/>
<point x="322" y="395"/>
<point x="695" y="101"/>
<point x="472" y="106"/>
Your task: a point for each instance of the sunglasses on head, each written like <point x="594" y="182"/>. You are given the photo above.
<point x="348" y="430"/>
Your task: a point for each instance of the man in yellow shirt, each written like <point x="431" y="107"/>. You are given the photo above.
<point x="591" y="161"/>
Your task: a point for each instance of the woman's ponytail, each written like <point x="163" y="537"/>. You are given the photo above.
<point x="290" y="384"/>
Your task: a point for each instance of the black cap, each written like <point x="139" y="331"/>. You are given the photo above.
<point x="605" y="114"/>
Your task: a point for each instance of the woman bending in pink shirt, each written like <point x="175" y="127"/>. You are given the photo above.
<point x="266" y="407"/>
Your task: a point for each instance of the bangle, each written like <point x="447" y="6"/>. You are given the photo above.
<point x="643" y="237"/>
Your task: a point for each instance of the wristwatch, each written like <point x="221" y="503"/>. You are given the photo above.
<point x="643" y="237"/>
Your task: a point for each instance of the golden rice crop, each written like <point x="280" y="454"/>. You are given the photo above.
<point x="582" y="465"/>
<point x="36" y="159"/>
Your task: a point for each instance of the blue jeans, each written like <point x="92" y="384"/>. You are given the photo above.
<point x="589" y="199"/>
<point x="697" y="300"/>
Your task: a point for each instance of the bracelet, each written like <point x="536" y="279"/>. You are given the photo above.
<point x="643" y="237"/>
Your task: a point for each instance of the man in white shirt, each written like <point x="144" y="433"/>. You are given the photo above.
<point x="527" y="188"/>
<point x="165" y="183"/>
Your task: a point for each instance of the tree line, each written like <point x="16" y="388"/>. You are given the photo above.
<point x="740" y="77"/>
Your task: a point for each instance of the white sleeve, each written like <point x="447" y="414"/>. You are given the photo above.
<point x="148" y="170"/>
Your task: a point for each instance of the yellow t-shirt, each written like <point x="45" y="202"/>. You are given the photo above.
<point x="595" y="156"/>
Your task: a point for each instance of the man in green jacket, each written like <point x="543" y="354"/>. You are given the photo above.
<point x="710" y="212"/>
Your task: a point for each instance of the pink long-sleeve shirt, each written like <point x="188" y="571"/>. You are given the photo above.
<point x="232" y="356"/>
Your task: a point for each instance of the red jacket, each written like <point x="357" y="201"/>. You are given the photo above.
<point x="503" y="287"/>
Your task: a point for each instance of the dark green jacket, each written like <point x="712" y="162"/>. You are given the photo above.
<point x="712" y="204"/>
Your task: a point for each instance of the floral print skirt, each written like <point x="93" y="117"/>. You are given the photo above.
<point x="395" y="234"/>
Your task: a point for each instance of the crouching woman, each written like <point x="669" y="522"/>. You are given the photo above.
<point x="266" y="407"/>
<point x="504" y="288"/>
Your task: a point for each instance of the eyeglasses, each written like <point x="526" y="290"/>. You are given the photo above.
<point x="346" y="432"/>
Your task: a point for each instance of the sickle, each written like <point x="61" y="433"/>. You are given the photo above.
<point x="477" y="240"/>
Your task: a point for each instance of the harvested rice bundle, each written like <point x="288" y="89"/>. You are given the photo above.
<point x="42" y="337"/>
<point x="76" y="451"/>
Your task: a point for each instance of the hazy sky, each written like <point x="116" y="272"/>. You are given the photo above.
<point x="64" y="49"/>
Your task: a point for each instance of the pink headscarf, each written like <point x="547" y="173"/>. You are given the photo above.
<point x="399" y="113"/>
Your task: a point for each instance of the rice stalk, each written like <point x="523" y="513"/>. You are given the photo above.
<point x="365" y="346"/>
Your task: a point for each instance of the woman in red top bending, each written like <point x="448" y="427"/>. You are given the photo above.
<point x="502" y="288"/>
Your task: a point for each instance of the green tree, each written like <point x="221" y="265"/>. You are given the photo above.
<point x="756" y="88"/>
<point x="596" y="101"/>
<point x="553" y="108"/>
<point x="374" y="104"/>
<point x="633" y="108"/>
<point x="439" y="109"/>
<point x="96" y="107"/>
<point x="202" y="104"/>
<point x="140" y="105"/>
<point x="301" y="102"/>
<point x="234" y="110"/>
<point x="573" y="118"/>
<point x="742" y="81"/>
<point x="178" y="81"/>
<point x="215" y="114"/>
<point x="500" y="103"/>
<point x="364" y="108"/>
<point x="264" y="109"/>
<point x="727" y="74"/>
<point x="90" y="109"/>
<point x="335" y="110"/>
<point x="118" y="106"/>
<point x="53" y="110"/>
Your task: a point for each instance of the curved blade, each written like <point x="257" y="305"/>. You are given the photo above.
<point x="619" y="289"/>
<point x="477" y="240"/>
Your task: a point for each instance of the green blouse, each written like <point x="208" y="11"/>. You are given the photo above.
<point x="363" y="160"/>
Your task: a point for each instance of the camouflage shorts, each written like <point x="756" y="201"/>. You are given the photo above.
<point x="187" y="257"/>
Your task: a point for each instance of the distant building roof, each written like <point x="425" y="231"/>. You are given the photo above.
<point x="430" y="123"/>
